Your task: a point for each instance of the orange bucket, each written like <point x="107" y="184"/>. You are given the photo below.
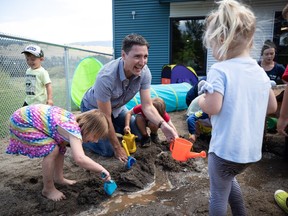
<point x="181" y="150"/>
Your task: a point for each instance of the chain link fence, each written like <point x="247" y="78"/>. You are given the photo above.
<point x="60" y="61"/>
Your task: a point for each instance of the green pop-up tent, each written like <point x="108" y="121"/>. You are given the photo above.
<point x="84" y="77"/>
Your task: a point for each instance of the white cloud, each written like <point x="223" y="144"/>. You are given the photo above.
<point x="57" y="21"/>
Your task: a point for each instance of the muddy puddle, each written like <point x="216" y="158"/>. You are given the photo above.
<point x="154" y="192"/>
<point x="121" y="201"/>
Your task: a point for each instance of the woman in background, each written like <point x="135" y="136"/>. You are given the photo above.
<point x="272" y="68"/>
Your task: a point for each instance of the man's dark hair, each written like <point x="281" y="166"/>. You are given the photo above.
<point x="133" y="39"/>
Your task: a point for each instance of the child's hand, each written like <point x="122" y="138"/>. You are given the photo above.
<point x="204" y="87"/>
<point x="273" y="83"/>
<point x="192" y="138"/>
<point x="127" y="129"/>
<point x="49" y="102"/>
<point x="105" y="175"/>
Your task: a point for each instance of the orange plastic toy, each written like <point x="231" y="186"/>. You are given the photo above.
<point x="181" y="150"/>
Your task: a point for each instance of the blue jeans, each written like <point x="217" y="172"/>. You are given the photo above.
<point x="104" y="147"/>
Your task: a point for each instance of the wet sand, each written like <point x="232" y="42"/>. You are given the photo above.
<point x="156" y="184"/>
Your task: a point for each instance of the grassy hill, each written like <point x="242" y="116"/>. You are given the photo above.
<point x="99" y="46"/>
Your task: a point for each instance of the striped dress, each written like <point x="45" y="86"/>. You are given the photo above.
<point x="33" y="130"/>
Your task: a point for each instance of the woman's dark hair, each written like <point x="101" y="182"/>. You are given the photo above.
<point x="267" y="45"/>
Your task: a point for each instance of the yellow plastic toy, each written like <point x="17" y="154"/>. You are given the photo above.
<point x="130" y="142"/>
<point x="131" y="160"/>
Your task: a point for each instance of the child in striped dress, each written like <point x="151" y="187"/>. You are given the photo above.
<point x="44" y="131"/>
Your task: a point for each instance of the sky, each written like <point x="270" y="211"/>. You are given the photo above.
<point x="57" y="21"/>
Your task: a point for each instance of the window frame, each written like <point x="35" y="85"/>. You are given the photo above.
<point x="202" y="71"/>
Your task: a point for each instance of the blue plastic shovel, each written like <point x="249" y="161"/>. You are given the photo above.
<point x="109" y="186"/>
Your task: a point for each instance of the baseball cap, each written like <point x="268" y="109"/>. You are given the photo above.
<point x="34" y="50"/>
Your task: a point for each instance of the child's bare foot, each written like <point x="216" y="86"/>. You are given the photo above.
<point x="65" y="181"/>
<point x="54" y="195"/>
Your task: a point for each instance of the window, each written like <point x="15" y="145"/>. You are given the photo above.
<point x="280" y="38"/>
<point x="187" y="47"/>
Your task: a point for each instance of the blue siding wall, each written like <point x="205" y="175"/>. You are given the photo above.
<point x="151" y="21"/>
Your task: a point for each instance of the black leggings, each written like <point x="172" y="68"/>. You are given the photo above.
<point x="224" y="187"/>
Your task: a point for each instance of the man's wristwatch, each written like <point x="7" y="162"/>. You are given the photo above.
<point x="160" y="123"/>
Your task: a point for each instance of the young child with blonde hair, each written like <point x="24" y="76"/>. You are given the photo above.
<point x="236" y="88"/>
<point x="44" y="131"/>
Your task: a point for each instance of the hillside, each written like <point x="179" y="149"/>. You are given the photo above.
<point x="94" y="43"/>
<point x="99" y="46"/>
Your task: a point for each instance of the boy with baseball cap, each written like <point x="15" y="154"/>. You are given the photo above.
<point x="37" y="80"/>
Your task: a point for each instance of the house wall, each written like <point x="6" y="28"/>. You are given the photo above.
<point x="151" y="21"/>
<point x="264" y="12"/>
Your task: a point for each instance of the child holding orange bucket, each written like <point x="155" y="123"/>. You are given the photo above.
<point x="236" y="86"/>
